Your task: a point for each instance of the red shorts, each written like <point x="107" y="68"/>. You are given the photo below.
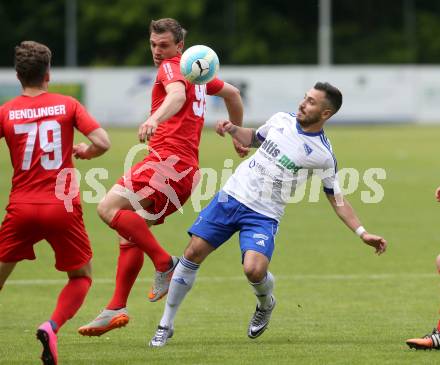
<point x="26" y="224"/>
<point x="167" y="183"/>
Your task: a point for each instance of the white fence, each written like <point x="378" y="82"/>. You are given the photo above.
<point x="121" y="96"/>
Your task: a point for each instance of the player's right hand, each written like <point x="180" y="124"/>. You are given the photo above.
<point x="219" y="127"/>
<point x="80" y="151"/>
<point x="437" y="194"/>
<point x="223" y="126"/>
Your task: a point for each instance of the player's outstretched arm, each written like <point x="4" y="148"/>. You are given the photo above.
<point x="347" y="214"/>
<point x="234" y="105"/>
<point x="100" y="143"/>
<point x="244" y="136"/>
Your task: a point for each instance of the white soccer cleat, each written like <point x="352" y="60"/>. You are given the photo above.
<point x="162" y="282"/>
<point x="260" y="320"/>
<point x="161" y="336"/>
<point x="106" y="321"/>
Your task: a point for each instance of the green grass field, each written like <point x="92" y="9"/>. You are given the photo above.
<point x="338" y="303"/>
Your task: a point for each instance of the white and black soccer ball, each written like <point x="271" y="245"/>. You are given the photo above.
<point x="199" y="64"/>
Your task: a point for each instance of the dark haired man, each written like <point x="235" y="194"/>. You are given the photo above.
<point x="38" y="127"/>
<point x="170" y="171"/>
<point x="253" y="199"/>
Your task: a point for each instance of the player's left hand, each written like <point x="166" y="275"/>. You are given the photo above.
<point x="147" y="129"/>
<point x="241" y="151"/>
<point x="80" y="151"/>
<point x="379" y="243"/>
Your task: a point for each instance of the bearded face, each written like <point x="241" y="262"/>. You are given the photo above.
<point x="313" y="109"/>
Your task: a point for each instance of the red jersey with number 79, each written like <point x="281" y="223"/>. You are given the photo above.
<point x="39" y="133"/>
<point x="180" y="135"/>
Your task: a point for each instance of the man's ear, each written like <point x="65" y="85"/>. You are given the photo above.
<point x="180" y="46"/>
<point x="327" y="113"/>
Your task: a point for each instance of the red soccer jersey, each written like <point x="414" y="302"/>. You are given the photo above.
<point x="39" y="133"/>
<point x="180" y="135"/>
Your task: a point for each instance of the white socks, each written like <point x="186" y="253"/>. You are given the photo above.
<point x="183" y="280"/>
<point x="181" y="283"/>
<point x="263" y="291"/>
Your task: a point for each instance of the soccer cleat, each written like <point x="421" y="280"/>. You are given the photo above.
<point x="260" y="320"/>
<point x="48" y="339"/>
<point x="428" y="342"/>
<point x="162" y="282"/>
<point x="107" y="320"/>
<point x="161" y="336"/>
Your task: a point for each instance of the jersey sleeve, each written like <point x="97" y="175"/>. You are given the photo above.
<point x="169" y="72"/>
<point x="264" y="129"/>
<point x="330" y="177"/>
<point x="214" y="86"/>
<point x="84" y="122"/>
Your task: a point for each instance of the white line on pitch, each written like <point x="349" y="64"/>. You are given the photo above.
<point x="237" y="278"/>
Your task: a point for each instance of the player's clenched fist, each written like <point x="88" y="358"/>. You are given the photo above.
<point x="224" y="126"/>
<point x="80" y="151"/>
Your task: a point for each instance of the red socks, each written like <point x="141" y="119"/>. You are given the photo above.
<point x="130" y="261"/>
<point x="70" y="299"/>
<point x="134" y="229"/>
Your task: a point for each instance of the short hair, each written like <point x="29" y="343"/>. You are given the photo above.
<point x="32" y="61"/>
<point x="332" y="94"/>
<point x="168" y="25"/>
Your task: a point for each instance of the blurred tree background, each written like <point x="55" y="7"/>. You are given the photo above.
<point x="115" y="33"/>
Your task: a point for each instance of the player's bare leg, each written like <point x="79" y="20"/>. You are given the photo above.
<point x="113" y="202"/>
<point x="5" y="270"/>
<point x="255" y="266"/>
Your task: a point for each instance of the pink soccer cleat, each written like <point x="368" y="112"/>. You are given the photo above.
<point x="48" y="339"/>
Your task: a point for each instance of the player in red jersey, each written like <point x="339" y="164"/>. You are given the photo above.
<point x="164" y="179"/>
<point x="38" y="127"/>
<point x="431" y="340"/>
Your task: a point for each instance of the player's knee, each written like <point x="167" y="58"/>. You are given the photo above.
<point x="84" y="271"/>
<point x="104" y="212"/>
<point x="192" y="254"/>
<point x="197" y="250"/>
<point x="100" y="209"/>
<point x="254" y="273"/>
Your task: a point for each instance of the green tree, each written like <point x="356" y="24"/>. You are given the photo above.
<point x="241" y="31"/>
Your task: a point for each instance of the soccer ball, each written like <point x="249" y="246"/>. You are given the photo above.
<point x="199" y="64"/>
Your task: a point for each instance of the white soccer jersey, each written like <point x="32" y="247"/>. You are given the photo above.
<point x="288" y="156"/>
